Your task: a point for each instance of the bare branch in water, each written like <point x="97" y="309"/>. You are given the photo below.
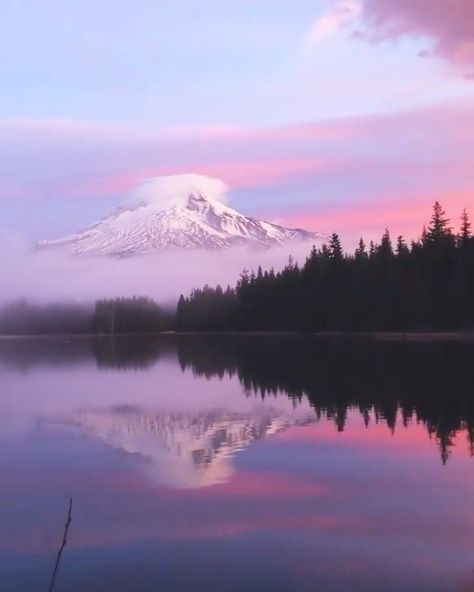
<point x="61" y="548"/>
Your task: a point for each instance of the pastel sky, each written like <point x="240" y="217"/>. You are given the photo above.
<point x="346" y="115"/>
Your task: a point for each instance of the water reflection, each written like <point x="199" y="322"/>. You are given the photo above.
<point x="184" y="450"/>
<point x="429" y="382"/>
<point x="228" y="462"/>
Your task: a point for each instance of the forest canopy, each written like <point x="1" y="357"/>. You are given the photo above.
<point x="391" y="285"/>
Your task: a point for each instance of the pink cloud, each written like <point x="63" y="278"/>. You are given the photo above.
<point x="354" y="175"/>
<point x="236" y="173"/>
<point x="449" y="23"/>
<point x="255" y="173"/>
<point x="340" y="15"/>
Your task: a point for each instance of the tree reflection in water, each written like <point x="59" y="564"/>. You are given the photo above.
<point x="429" y="381"/>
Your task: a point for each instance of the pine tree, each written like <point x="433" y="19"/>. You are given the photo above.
<point x="361" y="251"/>
<point x="402" y="250"/>
<point x="311" y="262"/>
<point x="335" y="248"/>
<point x="465" y="231"/>
<point x="385" y="250"/>
<point x="244" y="281"/>
<point x="325" y="253"/>
<point x="371" y="249"/>
<point x="439" y="232"/>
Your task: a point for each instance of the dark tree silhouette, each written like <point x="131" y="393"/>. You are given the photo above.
<point x="428" y="285"/>
<point x="465" y="231"/>
<point x="390" y="381"/>
<point x="439" y="232"/>
<point x="118" y="315"/>
<point x="129" y="315"/>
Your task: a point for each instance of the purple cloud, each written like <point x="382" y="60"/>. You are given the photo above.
<point x="448" y="23"/>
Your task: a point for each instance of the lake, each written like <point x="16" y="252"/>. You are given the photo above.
<point x="233" y="463"/>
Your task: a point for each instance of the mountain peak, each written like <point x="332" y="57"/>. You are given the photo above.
<point x="198" y="202"/>
<point x="196" y="198"/>
<point x="196" y="223"/>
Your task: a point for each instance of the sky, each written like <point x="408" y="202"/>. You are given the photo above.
<point x="344" y="115"/>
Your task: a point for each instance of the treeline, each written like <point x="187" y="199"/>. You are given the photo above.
<point x="425" y="285"/>
<point x="26" y="318"/>
<point x="130" y="315"/>
<point x="108" y="317"/>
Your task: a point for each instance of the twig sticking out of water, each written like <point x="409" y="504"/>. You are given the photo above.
<point x="61" y="548"/>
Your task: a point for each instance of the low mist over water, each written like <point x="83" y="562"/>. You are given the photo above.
<point x="49" y="276"/>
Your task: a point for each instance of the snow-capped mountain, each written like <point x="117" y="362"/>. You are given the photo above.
<point x="198" y="222"/>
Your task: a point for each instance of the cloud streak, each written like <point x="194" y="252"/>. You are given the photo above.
<point x="339" y="17"/>
<point x="310" y="171"/>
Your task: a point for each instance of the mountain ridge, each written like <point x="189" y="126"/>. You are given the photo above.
<point x="198" y="223"/>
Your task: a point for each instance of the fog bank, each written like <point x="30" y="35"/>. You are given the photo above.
<point x="52" y="276"/>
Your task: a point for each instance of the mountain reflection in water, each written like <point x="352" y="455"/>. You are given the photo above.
<point x="230" y="462"/>
<point x="430" y="382"/>
<point x="182" y="449"/>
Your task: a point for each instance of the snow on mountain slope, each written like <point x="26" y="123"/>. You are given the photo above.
<point x="198" y="222"/>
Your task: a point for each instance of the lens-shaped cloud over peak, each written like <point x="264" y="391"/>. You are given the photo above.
<point x="174" y="190"/>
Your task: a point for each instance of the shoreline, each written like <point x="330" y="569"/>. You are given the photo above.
<point x="377" y="335"/>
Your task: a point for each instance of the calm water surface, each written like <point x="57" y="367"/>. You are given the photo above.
<point x="237" y="463"/>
